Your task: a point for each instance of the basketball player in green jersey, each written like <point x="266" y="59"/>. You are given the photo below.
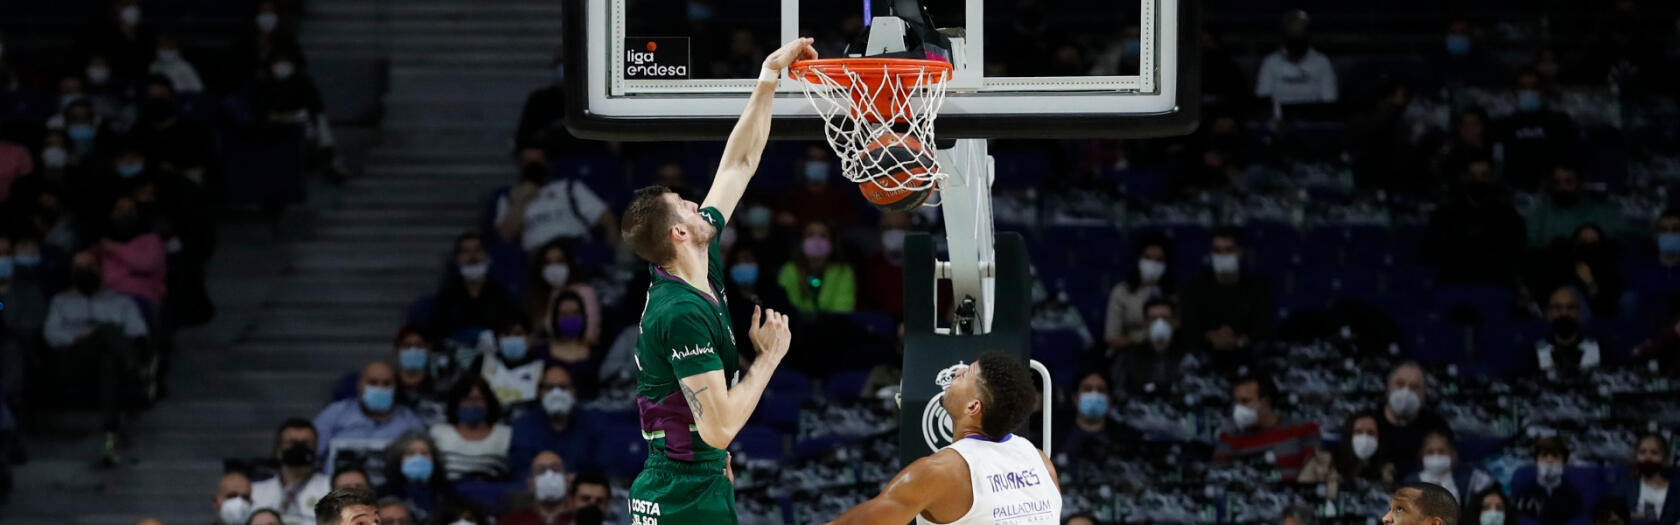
<point x="690" y="392"/>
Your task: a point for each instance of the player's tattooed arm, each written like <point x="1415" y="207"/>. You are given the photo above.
<point x="693" y="397"/>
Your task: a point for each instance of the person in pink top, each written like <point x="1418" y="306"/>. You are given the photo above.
<point x="131" y="255"/>
<point x="15" y="162"/>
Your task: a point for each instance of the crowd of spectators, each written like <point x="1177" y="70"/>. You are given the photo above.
<point x="1457" y="267"/>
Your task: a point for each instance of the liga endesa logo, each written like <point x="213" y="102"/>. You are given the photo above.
<point x="936" y="422"/>
<point x="656" y="58"/>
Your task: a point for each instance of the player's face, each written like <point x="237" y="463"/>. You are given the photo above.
<point x="688" y="215"/>
<point x="359" y="515"/>
<point x="1403" y="509"/>
<point x="963" y="394"/>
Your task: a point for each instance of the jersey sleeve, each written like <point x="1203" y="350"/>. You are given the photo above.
<point x="714" y="252"/>
<point x="688" y="345"/>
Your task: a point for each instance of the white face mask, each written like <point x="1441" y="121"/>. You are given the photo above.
<point x="1151" y="270"/>
<point x="1364" y="446"/>
<point x="1160" y="331"/>
<point x="130" y="15"/>
<point x="235" y="511"/>
<point x="558" y="402"/>
<point x="1548" y="474"/>
<point x="282" y="70"/>
<point x="1404" y="402"/>
<point x="462" y="522"/>
<point x="550" y="486"/>
<point x="267" y="21"/>
<point x="556" y="274"/>
<point x="1225" y="263"/>
<point x="1492" y="517"/>
<point x="55" y="157"/>
<point x="474" y="272"/>
<point x="1243" y="416"/>
<point x="1437" y="464"/>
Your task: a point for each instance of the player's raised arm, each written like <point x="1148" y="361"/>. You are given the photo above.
<point x="941" y="477"/>
<point x="746" y="142"/>
<point x="719" y="411"/>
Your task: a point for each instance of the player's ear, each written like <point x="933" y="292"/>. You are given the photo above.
<point x="679" y="232"/>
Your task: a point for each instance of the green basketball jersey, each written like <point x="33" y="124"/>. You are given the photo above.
<point x="684" y="332"/>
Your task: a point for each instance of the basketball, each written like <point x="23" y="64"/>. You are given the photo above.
<point x="898" y="160"/>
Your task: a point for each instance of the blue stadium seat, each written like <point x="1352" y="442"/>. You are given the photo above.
<point x="758" y="442"/>
<point x="1432" y="341"/>
<point x="489" y="495"/>
<point x="790" y="382"/>
<point x="507" y="264"/>
<point x="1472" y="303"/>
<point x="1503" y="348"/>
<point x="621" y="454"/>
<point x="1337" y="282"/>
<point x="1020" y="169"/>
<point x="845" y="384"/>
<point x="1059" y="350"/>
<point x="1141" y="184"/>
<point x="878" y="325"/>
<point x="779" y="410"/>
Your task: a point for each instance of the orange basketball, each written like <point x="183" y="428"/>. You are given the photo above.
<point x="897" y="159"/>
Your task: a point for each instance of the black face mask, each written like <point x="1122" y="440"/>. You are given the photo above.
<point x="1566" y="327"/>
<point x="156" y="110"/>
<point x="87" y="282"/>
<point x="297" y="455"/>
<point x="1295" y="46"/>
<point x="534" y="173"/>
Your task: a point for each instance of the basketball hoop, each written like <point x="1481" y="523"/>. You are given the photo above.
<point x="878" y="116"/>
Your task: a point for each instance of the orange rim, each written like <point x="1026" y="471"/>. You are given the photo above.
<point x="871" y="71"/>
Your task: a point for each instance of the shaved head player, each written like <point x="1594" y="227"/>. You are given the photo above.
<point x="988" y="476"/>
<point x="692" y="398"/>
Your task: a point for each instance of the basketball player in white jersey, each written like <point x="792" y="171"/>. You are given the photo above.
<point x="988" y="476"/>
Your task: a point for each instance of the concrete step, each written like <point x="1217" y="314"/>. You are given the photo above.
<point x="392" y="156"/>
<point x="401" y="43"/>
<point x="482" y="139"/>
<point x="434" y="10"/>
<point x="430" y="200"/>
<point x="333" y="264"/>
<point x="533" y="58"/>
<point x="464" y="218"/>
<point x="421" y="169"/>
<point x="441" y="234"/>
<point x="264" y="386"/>
<point x="504" y="111"/>
<point x="478" y="24"/>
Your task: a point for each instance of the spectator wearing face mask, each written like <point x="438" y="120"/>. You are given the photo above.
<point x="1405" y="420"/>
<point x="539" y="209"/>
<point x="815" y="280"/>
<point x="1296" y="73"/>
<point x="590" y="495"/>
<point x="53" y="172"/>
<point x="510" y="363"/>
<point x="1587" y="262"/>
<point x="232" y="499"/>
<point x="1126" y="323"/>
<point x="474" y="443"/>
<point x="1153" y="363"/>
<point x="1093" y="433"/>
<point x="568" y="349"/>
<point x="373" y="415"/>
<point x="546" y="480"/>
<point x="299" y="483"/>
<point x="168" y="62"/>
<point x="1651" y="493"/>
<point x="470" y="300"/>
<point x="1566" y="351"/>
<point x="884" y="272"/>
<point x="269" y="34"/>
<point x="1463" y="61"/>
<point x="1439" y="459"/>
<point x="23" y="292"/>
<point x="1470" y="140"/>
<point x="1475" y="235"/>
<point x="415" y="476"/>
<point x="1228" y="308"/>
<point x="89" y="324"/>
<point x="816" y="199"/>
<point x="83" y="126"/>
<point x="176" y="146"/>
<point x="1567" y="209"/>
<point x="132" y="257"/>
<point x="553" y="271"/>
<point x="1551" y="499"/>
<point x="1359" y="454"/>
<point x="1257" y="429"/>
<point x="286" y="96"/>
<point x="556" y="424"/>
<point x="1489" y="507"/>
<point x="416" y="388"/>
<point x="1536" y="138"/>
<point x="124" y="39"/>
<point x="749" y="286"/>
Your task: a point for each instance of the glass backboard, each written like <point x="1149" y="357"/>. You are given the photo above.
<point x="682" y="69"/>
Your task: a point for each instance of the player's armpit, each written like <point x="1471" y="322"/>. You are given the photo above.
<point x="927" y="480"/>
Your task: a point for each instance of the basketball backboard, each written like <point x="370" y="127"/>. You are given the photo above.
<point x="682" y="69"/>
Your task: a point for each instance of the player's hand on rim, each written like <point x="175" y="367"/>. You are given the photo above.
<point x="793" y="51"/>
<point x="769" y="333"/>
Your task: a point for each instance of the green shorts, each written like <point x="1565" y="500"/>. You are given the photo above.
<point x="672" y="492"/>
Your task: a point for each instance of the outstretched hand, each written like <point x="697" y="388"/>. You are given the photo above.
<point x="772" y="337"/>
<point x="793" y="51"/>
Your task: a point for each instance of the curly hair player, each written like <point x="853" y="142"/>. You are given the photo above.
<point x="686" y="346"/>
<point x="988" y="476"/>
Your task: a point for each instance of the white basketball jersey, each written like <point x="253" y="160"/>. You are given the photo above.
<point x="1011" y="486"/>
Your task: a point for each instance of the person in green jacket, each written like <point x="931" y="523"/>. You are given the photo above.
<point x="815" y="282"/>
<point x="1567" y="208"/>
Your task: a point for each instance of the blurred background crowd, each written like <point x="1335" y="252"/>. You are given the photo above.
<point x="1410" y="241"/>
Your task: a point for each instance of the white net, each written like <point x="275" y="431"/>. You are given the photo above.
<point x="878" y="116"/>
